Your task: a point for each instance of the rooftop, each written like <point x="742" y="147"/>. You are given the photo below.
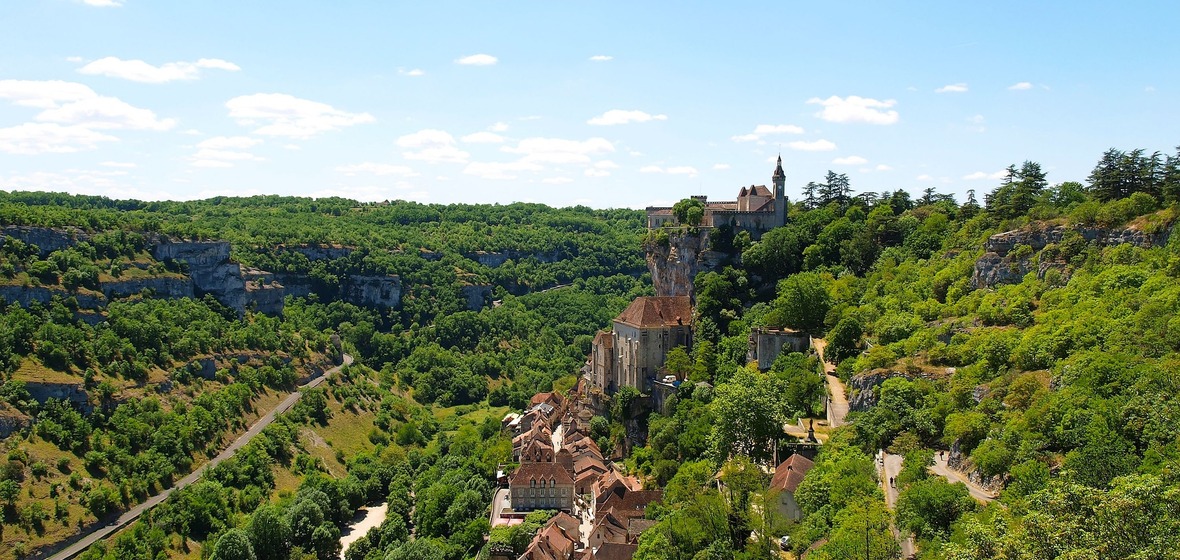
<point x="653" y="311"/>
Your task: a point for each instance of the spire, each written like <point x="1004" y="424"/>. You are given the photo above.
<point x="778" y="170"/>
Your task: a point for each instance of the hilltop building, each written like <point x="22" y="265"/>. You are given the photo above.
<point x="632" y="354"/>
<point x="757" y="209"/>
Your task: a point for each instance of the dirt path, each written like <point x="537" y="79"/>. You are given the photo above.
<point x="370" y="518"/>
<point x="837" y="395"/>
<point x="981" y="494"/>
<point x="890" y="466"/>
<point x="132" y="514"/>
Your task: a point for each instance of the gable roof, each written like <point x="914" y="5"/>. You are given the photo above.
<point x="615" y="551"/>
<point x="651" y="311"/>
<point x="790" y="473"/>
<point x="540" y="472"/>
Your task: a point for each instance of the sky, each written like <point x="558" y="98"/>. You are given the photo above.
<point x="605" y="104"/>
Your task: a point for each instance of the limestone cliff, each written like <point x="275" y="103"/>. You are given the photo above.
<point x="495" y="259"/>
<point x="46" y="239"/>
<point x="210" y="268"/>
<point x="1011" y="255"/>
<point x="675" y="264"/>
<point x="162" y="287"/>
<point x="372" y="291"/>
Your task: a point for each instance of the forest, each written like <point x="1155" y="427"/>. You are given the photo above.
<point x="1054" y="384"/>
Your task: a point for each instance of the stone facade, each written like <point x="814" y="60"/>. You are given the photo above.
<point x="766" y="344"/>
<point x="633" y="354"/>
<point x="756" y="210"/>
<point x="541" y="486"/>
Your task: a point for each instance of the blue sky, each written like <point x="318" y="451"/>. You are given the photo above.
<point x="606" y="104"/>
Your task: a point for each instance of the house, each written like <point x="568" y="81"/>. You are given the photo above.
<point x="757" y="209"/>
<point x="541" y="486"/>
<point x="786" y="480"/>
<point x="557" y="540"/>
<point x="632" y="354"/>
<point x="765" y="345"/>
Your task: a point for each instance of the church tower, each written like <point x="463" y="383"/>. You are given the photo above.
<point x="780" y="194"/>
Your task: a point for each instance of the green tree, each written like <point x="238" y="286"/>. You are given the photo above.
<point x="802" y="303"/>
<point x="689" y="211"/>
<point x="929" y="507"/>
<point x="234" y="544"/>
<point x="270" y="534"/>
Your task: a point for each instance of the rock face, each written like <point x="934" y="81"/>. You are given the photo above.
<point x="161" y="287"/>
<point x="26" y="295"/>
<point x="674" y="266"/>
<point x="861" y="393"/>
<point x="478" y="296"/>
<point x="495" y="259"/>
<point x="372" y="291"/>
<point x="210" y="268"/>
<point x="1003" y="263"/>
<point x="320" y="252"/>
<point x="72" y="392"/>
<point x="46" y="239"/>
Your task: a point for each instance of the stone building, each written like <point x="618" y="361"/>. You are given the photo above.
<point x="766" y="344"/>
<point x="757" y="209"/>
<point x="541" y="486"/>
<point x="786" y="481"/>
<point x="634" y="352"/>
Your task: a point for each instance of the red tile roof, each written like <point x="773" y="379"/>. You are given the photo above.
<point x="790" y="473"/>
<point x="658" y="312"/>
<point x="540" y="471"/>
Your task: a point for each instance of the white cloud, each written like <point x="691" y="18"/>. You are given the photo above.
<point x="483" y="138"/>
<point x="883" y="167"/>
<point x="414" y="73"/>
<point x="813" y="146"/>
<point x="720" y="166"/>
<point x="853" y="109"/>
<point x="191" y="132"/>
<point x="49" y="138"/>
<point x="103" y="3"/>
<point x="285" y="115"/>
<point x="120" y="164"/>
<point x="376" y="169"/>
<point x="46" y="94"/>
<point x="140" y="71"/>
<point x="601" y="58"/>
<point x="432" y="146"/>
<point x="1020" y="86"/>
<point x="591" y="172"/>
<point x="850" y="160"/>
<point x="229" y="143"/>
<point x="952" y="88"/>
<point x="500" y="170"/>
<point x="606" y="164"/>
<point x="477" y="60"/>
<point x="74" y="59"/>
<point x="982" y="175"/>
<point x="620" y="116"/>
<point x="976" y="119"/>
<point x="557" y="180"/>
<point x="498" y="127"/>
<point x="292" y="147"/>
<point x="559" y="151"/>
<point x="651" y="169"/>
<point x="778" y="129"/>
<point x="105" y="112"/>
<point x="223" y="151"/>
<point x="767" y="129"/>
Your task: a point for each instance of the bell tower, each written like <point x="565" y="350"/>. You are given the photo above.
<point x="780" y="194"/>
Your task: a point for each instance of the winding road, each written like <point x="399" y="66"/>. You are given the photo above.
<point x="981" y="495"/>
<point x="890" y="466"/>
<point x="134" y="513"/>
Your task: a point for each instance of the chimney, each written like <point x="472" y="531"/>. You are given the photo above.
<point x="790" y="468"/>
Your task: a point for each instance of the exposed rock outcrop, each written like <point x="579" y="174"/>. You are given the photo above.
<point x="26" y="295"/>
<point x="162" y="287"/>
<point x="210" y="268"/>
<point x="319" y="251"/>
<point x="478" y="296"/>
<point x="372" y="291"/>
<point x="862" y="393"/>
<point x="1005" y="261"/>
<point x="46" y="239"/>
<point x="42" y="391"/>
<point x="675" y="265"/>
<point x="495" y="259"/>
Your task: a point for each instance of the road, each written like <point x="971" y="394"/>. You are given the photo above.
<point x="134" y="513"/>
<point x="837" y="396"/>
<point x="980" y="494"/>
<point x="891" y="466"/>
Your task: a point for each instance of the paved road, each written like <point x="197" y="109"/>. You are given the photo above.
<point x="134" y="513"/>
<point x="980" y="494"/>
<point x="837" y="396"/>
<point x="889" y="471"/>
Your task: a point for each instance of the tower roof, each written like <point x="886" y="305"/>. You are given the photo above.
<point x="778" y="169"/>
